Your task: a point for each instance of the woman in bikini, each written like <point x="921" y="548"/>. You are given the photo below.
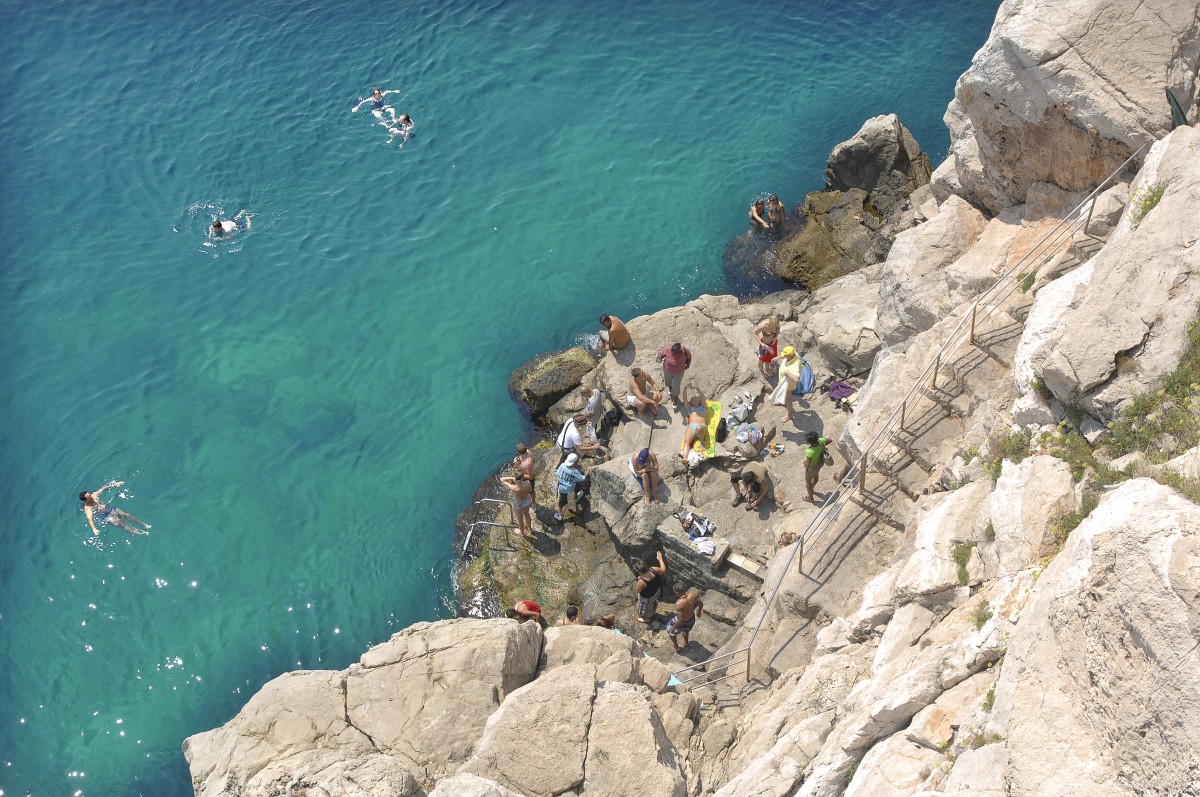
<point x="758" y="211"/>
<point x="766" y="341"/>
<point x="522" y="501"/>
<point x="697" y="421"/>
<point x="378" y="106"/>
<point x="775" y="215"/>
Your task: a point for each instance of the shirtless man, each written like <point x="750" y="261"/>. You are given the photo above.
<point x="643" y="394"/>
<point x="97" y="510"/>
<point x="522" y="502"/>
<point x="613" y="334"/>
<point x="571" y="617"/>
<point x="688" y="607"/>
<point x="758" y="212"/>
<point x="232" y="224"/>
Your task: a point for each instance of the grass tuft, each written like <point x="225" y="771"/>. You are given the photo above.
<point x="1146" y="199"/>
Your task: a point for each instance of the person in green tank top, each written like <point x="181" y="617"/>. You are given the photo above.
<point x="814" y="458"/>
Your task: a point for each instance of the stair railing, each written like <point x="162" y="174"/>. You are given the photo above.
<point x="981" y="309"/>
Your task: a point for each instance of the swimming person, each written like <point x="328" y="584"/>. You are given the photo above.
<point x="775" y="215"/>
<point x="757" y="211"/>
<point x="400" y="126"/>
<point x="99" y="512"/>
<point x="378" y="106"/>
<point x="232" y="224"/>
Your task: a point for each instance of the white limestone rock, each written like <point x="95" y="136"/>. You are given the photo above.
<point x="1028" y="498"/>
<point x="944" y="520"/>
<point x="1119" y="322"/>
<point x="894" y="768"/>
<point x="1063" y="93"/>
<point x="1103" y="668"/>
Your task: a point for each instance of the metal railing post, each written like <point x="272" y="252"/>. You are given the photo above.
<point x="903" y="408"/>
<point x="862" y="474"/>
<point x="748" y="647"/>
<point x="1089" y="218"/>
<point x="974" y="307"/>
<point x="937" y="367"/>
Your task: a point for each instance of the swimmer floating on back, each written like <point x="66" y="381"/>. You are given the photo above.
<point x="97" y="510"/>
<point x="232" y="224"/>
<point x="378" y="106"/>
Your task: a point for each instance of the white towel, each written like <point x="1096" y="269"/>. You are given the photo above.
<point x="705" y="546"/>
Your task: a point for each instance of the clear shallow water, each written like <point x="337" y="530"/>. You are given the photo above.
<point x="300" y="412"/>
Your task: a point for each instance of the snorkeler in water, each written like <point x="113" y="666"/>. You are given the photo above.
<point x="232" y="224"/>
<point x="378" y="106"/>
<point x="98" y="511"/>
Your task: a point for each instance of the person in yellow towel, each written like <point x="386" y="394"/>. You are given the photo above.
<point x="697" y="417"/>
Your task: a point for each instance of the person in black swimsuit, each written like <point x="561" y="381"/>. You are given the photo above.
<point x="649" y="587"/>
<point x="97" y="510"/>
<point x="378" y="106"/>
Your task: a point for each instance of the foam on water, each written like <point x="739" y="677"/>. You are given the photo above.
<point x="301" y="410"/>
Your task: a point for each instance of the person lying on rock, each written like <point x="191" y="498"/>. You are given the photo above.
<point x="644" y="395"/>
<point x="524" y="610"/>
<point x="649" y="586"/>
<point x="751" y="484"/>
<point x="696" y="407"/>
<point x="613" y="334"/>
<point x="688" y="607"/>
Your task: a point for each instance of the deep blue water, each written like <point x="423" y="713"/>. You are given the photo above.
<point x="301" y="411"/>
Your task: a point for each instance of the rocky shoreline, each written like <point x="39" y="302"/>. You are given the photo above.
<point x="1009" y="606"/>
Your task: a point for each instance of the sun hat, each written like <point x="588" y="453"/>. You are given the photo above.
<point x="572" y="459"/>
<point x="788" y="351"/>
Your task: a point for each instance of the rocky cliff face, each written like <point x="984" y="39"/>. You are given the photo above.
<point x="1001" y="611"/>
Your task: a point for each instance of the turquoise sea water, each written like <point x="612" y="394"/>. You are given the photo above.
<point x="301" y="411"/>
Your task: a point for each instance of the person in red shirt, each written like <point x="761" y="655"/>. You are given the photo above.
<point x="524" y="610"/>
<point x="675" y="360"/>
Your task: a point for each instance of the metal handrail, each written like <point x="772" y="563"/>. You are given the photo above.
<point x="992" y="297"/>
<point x="471" y="528"/>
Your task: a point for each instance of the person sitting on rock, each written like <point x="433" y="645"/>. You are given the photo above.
<point x="643" y="394"/>
<point x="688" y="607"/>
<point x="758" y="212"/>
<point x="644" y="467"/>
<point x="751" y="484"/>
<point x="570" y="618"/>
<point x="649" y="586"/>
<point x="613" y="334"/>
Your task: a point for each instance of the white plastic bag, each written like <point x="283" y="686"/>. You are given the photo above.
<point x="779" y="395"/>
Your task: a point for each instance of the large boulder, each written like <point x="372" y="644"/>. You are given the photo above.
<point x="548" y="377"/>
<point x="912" y="296"/>
<point x="1103" y="669"/>
<point x="840" y="322"/>
<point x="883" y="159"/>
<point x="841" y="236"/>
<point x="1102" y="333"/>
<point x="1064" y="94"/>
<point x="405" y="716"/>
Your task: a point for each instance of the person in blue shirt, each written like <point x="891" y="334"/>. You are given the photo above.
<point x="570" y="482"/>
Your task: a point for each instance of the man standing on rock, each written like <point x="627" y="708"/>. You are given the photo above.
<point x="675" y="359"/>
<point x="613" y="334"/>
<point x="688" y="607"/>
<point x="570" y="482"/>
<point x="650" y="582"/>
